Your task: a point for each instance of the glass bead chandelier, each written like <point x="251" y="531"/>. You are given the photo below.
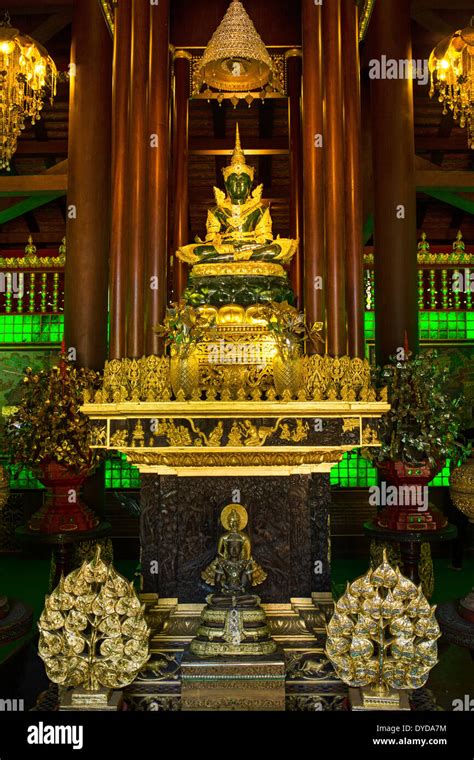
<point x="451" y="67"/>
<point x="27" y="72"/>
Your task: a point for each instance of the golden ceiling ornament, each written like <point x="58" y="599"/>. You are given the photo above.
<point x="27" y="71"/>
<point x="382" y="638"/>
<point x="451" y="66"/>
<point x="93" y="633"/>
<point x="236" y="59"/>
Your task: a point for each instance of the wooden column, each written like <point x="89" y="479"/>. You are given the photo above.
<point x="396" y="307"/>
<point x="353" y="176"/>
<point x="120" y="188"/>
<point x="335" y="206"/>
<point x="294" y="68"/>
<point x="313" y="165"/>
<point x="157" y="200"/>
<point x="138" y="158"/>
<point x="88" y="224"/>
<point x="180" y="166"/>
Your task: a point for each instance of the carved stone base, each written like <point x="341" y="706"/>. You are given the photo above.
<point x="288" y="525"/>
<point x="233" y="683"/>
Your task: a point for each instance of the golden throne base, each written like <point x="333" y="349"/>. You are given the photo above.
<point x="241" y="683"/>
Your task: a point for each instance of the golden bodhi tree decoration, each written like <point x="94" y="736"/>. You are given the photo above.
<point x="93" y="632"/>
<point x="382" y="637"/>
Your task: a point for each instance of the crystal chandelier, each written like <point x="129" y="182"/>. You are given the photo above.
<point x="26" y="73"/>
<point x="451" y="67"/>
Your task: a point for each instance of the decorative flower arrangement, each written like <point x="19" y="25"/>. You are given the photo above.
<point x="423" y="423"/>
<point x="48" y="424"/>
<point x="183" y="327"/>
<point x="289" y="328"/>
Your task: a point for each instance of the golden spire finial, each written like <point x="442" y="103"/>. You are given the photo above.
<point x="238" y="164"/>
<point x="238" y="156"/>
<point x="237" y="139"/>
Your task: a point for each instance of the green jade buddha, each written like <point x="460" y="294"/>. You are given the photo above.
<point x="239" y="261"/>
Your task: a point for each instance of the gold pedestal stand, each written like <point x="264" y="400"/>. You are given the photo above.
<point x="233" y="683"/>
<point x="374" y="700"/>
<point x="80" y="700"/>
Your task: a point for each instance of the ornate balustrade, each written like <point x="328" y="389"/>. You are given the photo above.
<point x="32" y="283"/>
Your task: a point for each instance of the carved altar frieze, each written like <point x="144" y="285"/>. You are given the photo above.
<point x="289" y="525"/>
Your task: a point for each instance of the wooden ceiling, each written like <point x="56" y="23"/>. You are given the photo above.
<point x="440" y="144"/>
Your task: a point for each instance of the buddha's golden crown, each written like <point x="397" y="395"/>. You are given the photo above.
<point x="238" y="164"/>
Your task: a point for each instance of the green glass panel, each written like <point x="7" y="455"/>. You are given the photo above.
<point x="31" y="328"/>
<point x="120" y="474"/>
<point x="353" y="471"/>
<point x="369" y="325"/>
<point x="442" y="478"/>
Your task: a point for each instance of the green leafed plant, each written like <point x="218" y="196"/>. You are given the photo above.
<point x="183" y="327"/>
<point x="289" y="328"/>
<point x="424" y="422"/>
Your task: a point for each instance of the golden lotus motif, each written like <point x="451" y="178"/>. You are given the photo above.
<point x="324" y="378"/>
<point x="382" y="636"/>
<point x="93" y="632"/>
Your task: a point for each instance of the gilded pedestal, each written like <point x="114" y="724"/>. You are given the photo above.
<point x="80" y="700"/>
<point x="233" y="683"/>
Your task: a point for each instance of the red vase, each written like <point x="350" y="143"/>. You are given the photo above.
<point x="409" y="516"/>
<point x="62" y="509"/>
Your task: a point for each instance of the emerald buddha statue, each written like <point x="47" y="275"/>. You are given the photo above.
<point x="240" y="261"/>
<point x="233" y="622"/>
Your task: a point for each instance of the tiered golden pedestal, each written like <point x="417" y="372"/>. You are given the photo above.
<point x="233" y="683"/>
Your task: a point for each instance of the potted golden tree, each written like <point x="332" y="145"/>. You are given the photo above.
<point x="49" y="434"/>
<point x="183" y="328"/>
<point x="418" y="435"/>
<point x="289" y="329"/>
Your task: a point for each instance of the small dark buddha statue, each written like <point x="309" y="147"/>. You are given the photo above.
<point x="239" y="261"/>
<point x="233" y="622"/>
<point x="233" y="571"/>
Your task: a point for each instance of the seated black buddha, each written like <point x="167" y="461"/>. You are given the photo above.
<point x="233" y="622"/>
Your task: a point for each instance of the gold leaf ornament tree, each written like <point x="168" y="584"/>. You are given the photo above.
<point x="93" y="632"/>
<point x="382" y="636"/>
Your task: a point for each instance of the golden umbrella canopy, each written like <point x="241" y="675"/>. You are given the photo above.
<point x="236" y="59"/>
